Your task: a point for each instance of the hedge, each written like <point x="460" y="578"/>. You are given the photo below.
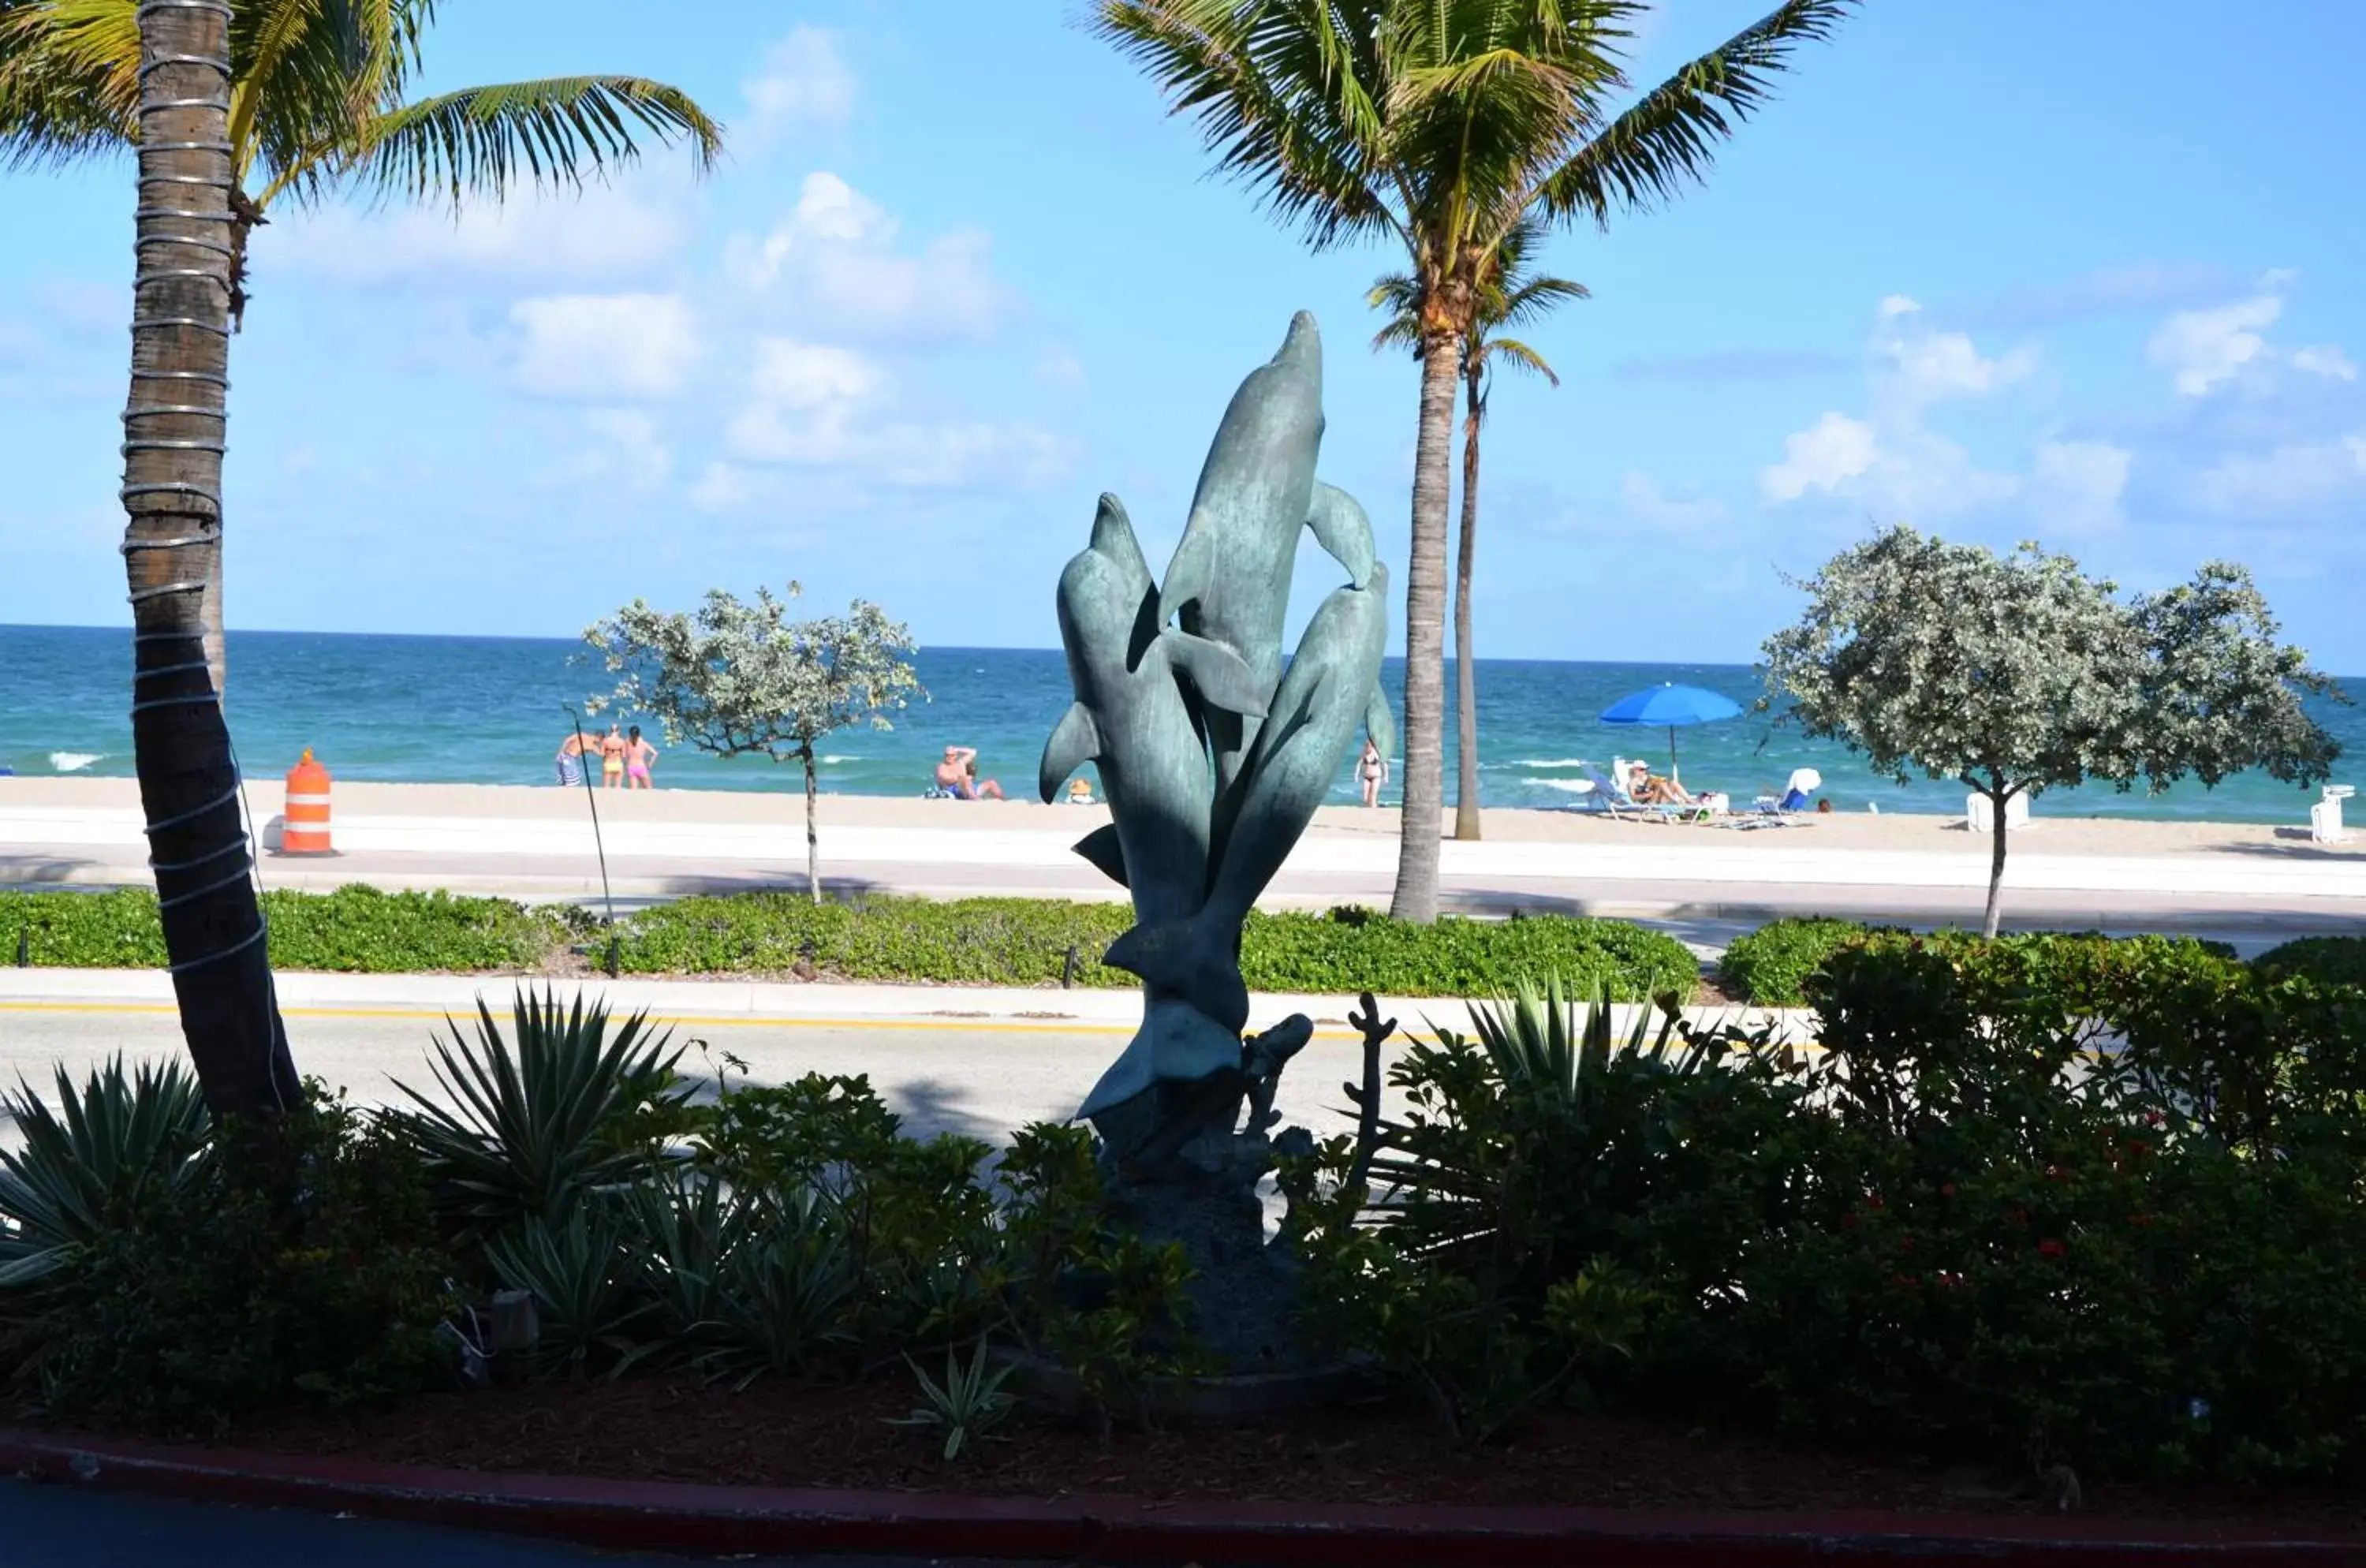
<point x="2327" y="959"/>
<point x="1007" y="941"/>
<point x="1771" y="965"/>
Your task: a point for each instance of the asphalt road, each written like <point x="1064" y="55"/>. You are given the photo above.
<point x="56" y="1527"/>
<point x="982" y="1078"/>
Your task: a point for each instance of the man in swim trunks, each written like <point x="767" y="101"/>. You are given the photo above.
<point x="612" y="746"/>
<point x="638" y="755"/>
<point x="571" y="757"/>
<point x="957" y="775"/>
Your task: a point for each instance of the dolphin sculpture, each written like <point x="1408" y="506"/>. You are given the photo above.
<point x="1329" y="691"/>
<point x="1133" y="718"/>
<point x="1229" y="578"/>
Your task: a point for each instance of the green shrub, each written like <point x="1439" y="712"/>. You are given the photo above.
<point x="1770" y="964"/>
<point x="2327" y="959"/>
<point x="1000" y="942"/>
<point x="1958" y="1233"/>
<point x="295" y="1267"/>
<point x="355" y="929"/>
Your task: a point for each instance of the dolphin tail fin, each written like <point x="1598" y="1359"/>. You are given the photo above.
<point x="1217" y="673"/>
<point x="1187" y="573"/>
<point x="1075" y="740"/>
<point x="1101" y="849"/>
<point x="1380" y="723"/>
<point x="1191" y="959"/>
<point x="1338" y="523"/>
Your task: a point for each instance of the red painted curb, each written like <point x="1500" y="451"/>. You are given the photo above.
<point x="719" y="1520"/>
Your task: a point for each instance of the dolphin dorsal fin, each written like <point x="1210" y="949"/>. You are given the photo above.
<point x="1075" y="741"/>
<point x="1216" y="673"/>
<point x="1338" y="523"/>
<point x="1104" y="852"/>
<point x="1187" y="573"/>
<point x="1380" y="723"/>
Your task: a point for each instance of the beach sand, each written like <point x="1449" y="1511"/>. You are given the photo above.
<point x="1836" y="833"/>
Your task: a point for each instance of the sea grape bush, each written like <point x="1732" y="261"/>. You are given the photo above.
<point x="1972" y="1227"/>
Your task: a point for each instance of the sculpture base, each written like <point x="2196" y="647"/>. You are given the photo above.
<point x="1244" y="1290"/>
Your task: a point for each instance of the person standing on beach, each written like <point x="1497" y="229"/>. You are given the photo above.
<point x="639" y="757"/>
<point x="1373" y="770"/>
<point x="571" y="758"/>
<point x="612" y="746"/>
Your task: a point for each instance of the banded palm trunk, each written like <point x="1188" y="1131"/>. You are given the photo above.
<point x="174" y="427"/>
<point x="1416" y="896"/>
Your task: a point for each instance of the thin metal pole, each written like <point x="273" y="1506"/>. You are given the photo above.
<point x="598" y="842"/>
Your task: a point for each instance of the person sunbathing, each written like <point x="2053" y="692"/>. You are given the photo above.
<point x="957" y="775"/>
<point x="1645" y="787"/>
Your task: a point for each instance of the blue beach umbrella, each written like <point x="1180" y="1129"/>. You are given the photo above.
<point x="1667" y="706"/>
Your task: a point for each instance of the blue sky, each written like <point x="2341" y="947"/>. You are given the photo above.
<point x="2003" y="268"/>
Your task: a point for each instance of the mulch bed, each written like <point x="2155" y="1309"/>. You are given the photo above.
<point x="663" y="1428"/>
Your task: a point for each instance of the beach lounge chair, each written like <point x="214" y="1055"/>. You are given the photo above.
<point x="1624" y="808"/>
<point x="1781" y="811"/>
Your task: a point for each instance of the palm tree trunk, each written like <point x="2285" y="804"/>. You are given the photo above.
<point x="1466" y="693"/>
<point x="1424" y="702"/>
<point x="172" y="495"/>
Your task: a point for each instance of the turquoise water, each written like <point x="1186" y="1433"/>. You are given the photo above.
<point x="491" y="710"/>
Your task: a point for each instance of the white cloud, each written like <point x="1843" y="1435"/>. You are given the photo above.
<point x="2202" y="348"/>
<point x="2327" y="360"/>
<point x="604" y="346"/>
<point x="816" y="405"/>
<point x="1647" y="504"/>
<point x="607" y="233"/>
<point x="1059" y="368"/>
<point x="1825" y="455"/>
<point x="2078" y="484"/>
<point x="805" y="83"/>
<point x="832" y="262"/>
<point x="1925" y="365"/>
<point x="626" y="450"/>
<point x="723" y="486"/>
<point x="2293" y="478"/>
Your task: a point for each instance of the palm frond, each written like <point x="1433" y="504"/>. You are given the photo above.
<point x="1284" y="95"/>
<point x="69" y="80"/>
<point x="484" y="140"/>
<point x="1668" y="138"/>
<point x="1398" y="296"/>
<point x="1520" y="354"/>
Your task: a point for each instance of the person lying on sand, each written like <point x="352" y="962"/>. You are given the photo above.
<point x="957" y="775"/>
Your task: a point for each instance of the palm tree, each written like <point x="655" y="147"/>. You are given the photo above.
<point x="1443" y="125"/>
<point x="1508" y="297"/>
<point x="318" y="105"/>
<point x="171" y="490"/>
<point x="282" y="98"/>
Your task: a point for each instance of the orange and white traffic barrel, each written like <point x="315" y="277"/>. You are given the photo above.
<point x="305" y="830"/>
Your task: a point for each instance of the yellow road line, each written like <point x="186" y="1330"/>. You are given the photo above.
<point x="937" y="1020"/>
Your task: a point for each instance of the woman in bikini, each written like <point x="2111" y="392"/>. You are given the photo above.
<point x="1373" y="768"/>
<point x="612" y="746"/>
<point x="639" y="757"/>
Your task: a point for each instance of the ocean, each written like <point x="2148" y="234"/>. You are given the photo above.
<point x="493" y="710"/>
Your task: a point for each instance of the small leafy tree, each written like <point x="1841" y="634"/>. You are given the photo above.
<point x="2018" y="673"/>
<point x="735" y="678"/>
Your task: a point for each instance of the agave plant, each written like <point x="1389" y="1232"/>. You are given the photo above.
<point x="784" y="1293"/>
<point x="967" y="1405"/>
<point x="584" y="1282"/>
<point x="534" y="1131"/>
<point x="122" y="1134"/>
<point x="1546" y="1043"/>
<point x="686" y="1228"/>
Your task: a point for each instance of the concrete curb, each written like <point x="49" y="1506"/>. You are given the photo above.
<point x="723" y="1520"/>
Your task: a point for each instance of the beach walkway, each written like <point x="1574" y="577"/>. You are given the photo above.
<point x="539" y="843"/>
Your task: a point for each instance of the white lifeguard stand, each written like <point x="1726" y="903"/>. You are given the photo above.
<point x="1979" y="813"/>
<point x="2324" y="817"/>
